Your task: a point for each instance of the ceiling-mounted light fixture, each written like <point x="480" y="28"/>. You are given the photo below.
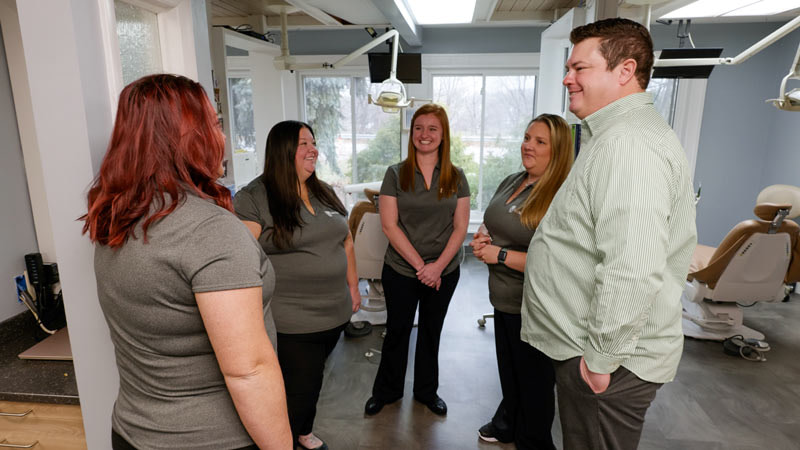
<point x="789" y="101"/>
<point x="392" y="93"/>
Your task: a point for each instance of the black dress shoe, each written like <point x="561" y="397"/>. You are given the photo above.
<point x="436" y="405"/>
<point x="373" y="406"/>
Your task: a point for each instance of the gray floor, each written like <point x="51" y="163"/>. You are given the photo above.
<point x="716" y="402"/>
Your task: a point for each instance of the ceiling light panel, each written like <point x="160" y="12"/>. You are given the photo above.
<point x="708" y="8"/>
<point x="765" y="8"/>
<point x="428" y="12"/>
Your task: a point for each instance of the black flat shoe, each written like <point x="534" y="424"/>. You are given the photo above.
<point x="436" y="405"/>
<point x="373" y="406"/>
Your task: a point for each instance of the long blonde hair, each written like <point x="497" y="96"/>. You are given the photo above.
<point x="448" y="175"/>
<point x="561" y="158"/>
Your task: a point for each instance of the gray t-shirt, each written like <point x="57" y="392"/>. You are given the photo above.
<point x="311" y="292"/>
<point x="425" y="220"/>
<point x="503" y="222"/>
<point x="172" y="393"/>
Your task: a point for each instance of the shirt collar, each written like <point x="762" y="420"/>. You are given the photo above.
<point x="605" y="116"/>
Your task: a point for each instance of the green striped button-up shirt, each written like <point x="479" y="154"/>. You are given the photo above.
<point x="607" y="265"/>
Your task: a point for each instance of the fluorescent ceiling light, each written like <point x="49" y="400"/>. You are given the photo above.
<point x="707" y="8"/>
<point x="766" y="8"/>
<point x="430" y="12"/>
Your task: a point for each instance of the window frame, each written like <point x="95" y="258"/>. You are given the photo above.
<point x="483" y="73"/>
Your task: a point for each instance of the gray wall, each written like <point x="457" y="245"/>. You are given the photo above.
<point x="17" y="235"/>
<point x="745" y="143"/>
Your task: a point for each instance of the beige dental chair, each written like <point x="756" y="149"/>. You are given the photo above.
<point x="753" y="264"/>
<point x="370" y="246"/>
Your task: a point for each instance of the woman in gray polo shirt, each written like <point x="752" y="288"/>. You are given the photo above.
<point x="302" y="226"/>
<point x="179" y="279"/>
<point x="424" y="207"/>
<point x="525" y="414"/>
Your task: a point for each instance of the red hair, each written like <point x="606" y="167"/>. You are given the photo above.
<point x="166" y="140"/>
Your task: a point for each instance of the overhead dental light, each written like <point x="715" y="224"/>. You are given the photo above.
<point x="788" y="101"/>
<point x="392" y="93"/>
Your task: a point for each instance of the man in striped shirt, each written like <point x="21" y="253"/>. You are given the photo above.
<point x="607" y="265"/>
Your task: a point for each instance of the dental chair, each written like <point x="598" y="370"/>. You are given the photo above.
<point x="754" y="263"/>
<point x="370" y="247"/>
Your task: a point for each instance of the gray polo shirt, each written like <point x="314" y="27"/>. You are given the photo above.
<point x="503" y="222"/>
<point x="311" y="292"/>
<point x="171" y="391"/>
<point x="425" y="220"/>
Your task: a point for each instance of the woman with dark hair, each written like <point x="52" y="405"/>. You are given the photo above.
<point x="525" y="414"/>
<point x="183" y="287"/>
<point x="424" y="208"/>
<point x="299" y="221"/>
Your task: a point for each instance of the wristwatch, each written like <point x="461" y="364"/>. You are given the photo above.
<point x="501" y="257"/>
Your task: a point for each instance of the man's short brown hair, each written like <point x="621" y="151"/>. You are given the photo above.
<point x="620" y="39"/>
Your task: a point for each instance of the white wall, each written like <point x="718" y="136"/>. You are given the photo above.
<point x="17" y="236"/>
<point x="57" y="144"/>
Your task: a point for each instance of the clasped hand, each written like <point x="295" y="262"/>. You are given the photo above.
<point x="430" y="275"/>
<point x="483" y="249"/>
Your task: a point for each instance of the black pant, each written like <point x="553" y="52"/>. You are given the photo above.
<point x="612" y="419"/>
<point x="302" y="359"/>
<point x="402" y="296"/>
<point x="525" y="414"/>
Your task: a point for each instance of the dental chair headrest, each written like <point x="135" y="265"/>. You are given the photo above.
<point x="767" y="211"/>
<point x="780" y="194"/>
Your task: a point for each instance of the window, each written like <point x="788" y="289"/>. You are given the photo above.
<point x="243" y="131"/>
<point x="140" y="50"/>
<point x="664" y="92"/>
<point x="356" y="140"/>
<point x="488" y="115"/>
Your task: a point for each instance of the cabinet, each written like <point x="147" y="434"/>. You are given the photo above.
<point x="41" y="426"/>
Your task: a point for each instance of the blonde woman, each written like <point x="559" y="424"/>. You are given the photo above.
<point x="525" y="414"/>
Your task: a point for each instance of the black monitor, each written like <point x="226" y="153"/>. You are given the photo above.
<point x="686" y="71"/>
<point x="409" y="67"/>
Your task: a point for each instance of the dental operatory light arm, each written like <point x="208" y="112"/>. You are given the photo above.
<point x="392" y="95"/>
<point x="788" y="101"/>
<point x="741" y="57"/>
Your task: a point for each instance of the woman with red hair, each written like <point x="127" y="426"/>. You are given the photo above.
<point x="424" y="207"/>
<point x="184" y="287"/>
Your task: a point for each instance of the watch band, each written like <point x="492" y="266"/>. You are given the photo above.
<point x="501" y="257"/>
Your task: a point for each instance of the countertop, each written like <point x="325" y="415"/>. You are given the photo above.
<point x="28" y="380"/>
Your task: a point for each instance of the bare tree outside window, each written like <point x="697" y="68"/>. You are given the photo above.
<point x="244" y="130"/>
